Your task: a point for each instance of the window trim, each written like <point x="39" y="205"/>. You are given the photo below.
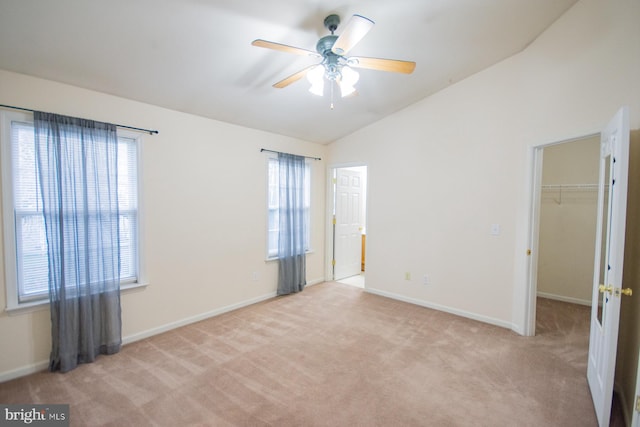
<point x="9" y="230"/>
<point x="12" y="303"/>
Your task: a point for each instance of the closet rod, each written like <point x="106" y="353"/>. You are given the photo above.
<point x="149" y="131"/>
<point x="570" y="187"/>
<point x="280" y="152"/>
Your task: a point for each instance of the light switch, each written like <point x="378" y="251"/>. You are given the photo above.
<point x="495" y="229"/>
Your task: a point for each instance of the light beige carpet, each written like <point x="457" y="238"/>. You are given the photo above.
<point x="334" y="355"/>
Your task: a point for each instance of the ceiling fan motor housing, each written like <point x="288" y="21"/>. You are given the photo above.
<point x="331" y="61"/>
<point x="325" y="44"/>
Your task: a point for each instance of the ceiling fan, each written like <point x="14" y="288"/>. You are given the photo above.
<point x="335" y="65"/>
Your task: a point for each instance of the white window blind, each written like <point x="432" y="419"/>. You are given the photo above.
<point x="273" y="204"/>
<point x="31" y="261"/>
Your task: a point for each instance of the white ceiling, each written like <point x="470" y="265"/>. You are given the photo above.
<point x="196" y="56"/>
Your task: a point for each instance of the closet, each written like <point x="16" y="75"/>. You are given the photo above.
<point x="568" y="212"/>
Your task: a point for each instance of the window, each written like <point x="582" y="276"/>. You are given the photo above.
<point x="25" y="241"/>
<point x="273" y="205"/>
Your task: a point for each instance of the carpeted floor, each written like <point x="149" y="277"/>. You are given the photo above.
<point x="334" y="355"/>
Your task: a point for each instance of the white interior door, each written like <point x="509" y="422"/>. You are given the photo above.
<point x="348" y="223"/>
<point x="609" y="254"/>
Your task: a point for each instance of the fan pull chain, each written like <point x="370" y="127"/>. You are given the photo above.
<point x="332" y="84"/>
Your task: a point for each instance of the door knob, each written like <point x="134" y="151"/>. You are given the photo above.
<point x="604" y="288"/>
<point x="627" y="291"/>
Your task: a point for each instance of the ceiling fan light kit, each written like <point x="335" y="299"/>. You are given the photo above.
<point x="335" y="66"/>
<point x="316" y="78"/>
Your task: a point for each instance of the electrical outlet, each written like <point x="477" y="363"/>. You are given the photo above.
<point x="426" y="279"/>
<point x="254" y="276"/>
<point x="407" y="276"/>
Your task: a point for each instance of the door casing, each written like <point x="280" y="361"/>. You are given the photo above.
<point x="533" y="248"/>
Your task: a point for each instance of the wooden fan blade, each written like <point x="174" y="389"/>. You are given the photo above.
<point x="393" y="65"/>
<point x="283" y="48"/>
<point x="357" y="27"/>
<point x="293" y="78"/>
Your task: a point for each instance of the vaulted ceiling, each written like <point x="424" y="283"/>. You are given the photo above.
<point x="196" y="56"/>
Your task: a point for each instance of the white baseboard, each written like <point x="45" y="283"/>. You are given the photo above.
<point x="218" y="311"/>
<point x="23" y="371"/>
<point x="202" y="316"/>
<point x="446" y="309"/>
<point x="315" y="282"/>
<point x="564" y="298"/>
<point x="42" y="365"/>
<point x="39" y="366"/>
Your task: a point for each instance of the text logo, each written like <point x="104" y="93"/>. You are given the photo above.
<point x="34" y="415"/>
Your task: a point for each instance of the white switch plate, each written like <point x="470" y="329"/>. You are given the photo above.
<point x="495" y="229"/>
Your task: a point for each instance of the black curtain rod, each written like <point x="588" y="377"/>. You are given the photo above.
<point x="280" y="152"/>
<point x="149" y="131"/>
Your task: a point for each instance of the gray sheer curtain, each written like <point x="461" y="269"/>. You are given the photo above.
<point x="77" y="171"/>
<point x="292" y="229"/>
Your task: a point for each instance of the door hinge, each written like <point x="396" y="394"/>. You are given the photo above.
<point x="333" y="262"/>
<point x="334" y="220"/>
<point x="638" y="403"/>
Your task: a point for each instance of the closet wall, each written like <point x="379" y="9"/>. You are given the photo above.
<point x="568" y="212"/>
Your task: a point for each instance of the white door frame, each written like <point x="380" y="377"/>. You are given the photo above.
<point x="329" y="211"/>
<point x="529" y="327"/>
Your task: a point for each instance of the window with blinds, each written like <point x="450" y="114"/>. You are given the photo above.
<point x="27" y="225"/>
<point x="273" y="205"/>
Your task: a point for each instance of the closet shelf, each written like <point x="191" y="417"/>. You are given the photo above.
<point x="557" y="190"/>
<point x="570" y="187"/>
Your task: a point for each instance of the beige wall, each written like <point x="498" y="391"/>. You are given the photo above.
<point x="204" y="217"/>
<point x="446" y="168"/>
<point x="568" y="220"/>
<point x="443" y="170"/>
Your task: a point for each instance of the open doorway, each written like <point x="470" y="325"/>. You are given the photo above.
<point x="564" y="231"/>
<point x="563" y="223"/>
<point x="568" y="220"/>
<point x="348" y="202"/>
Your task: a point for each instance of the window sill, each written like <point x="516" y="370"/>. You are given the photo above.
<point x="33" y="306"/>
<point x="27" y="307"/>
